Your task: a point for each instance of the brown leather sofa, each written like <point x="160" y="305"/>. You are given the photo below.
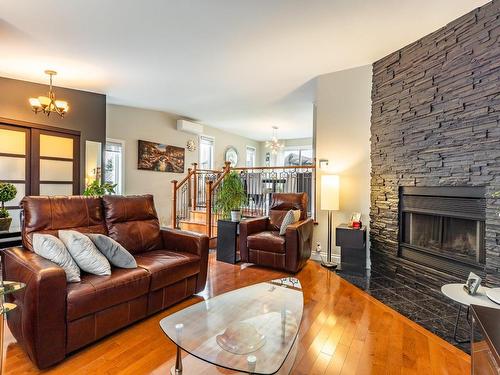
<point x="55" y="318"/>
<point x="260" y="242"/>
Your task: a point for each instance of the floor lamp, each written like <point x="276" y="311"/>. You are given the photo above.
<point x="330" y="186"/>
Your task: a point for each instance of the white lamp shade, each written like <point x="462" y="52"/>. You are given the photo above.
<point x="330" y="188"/>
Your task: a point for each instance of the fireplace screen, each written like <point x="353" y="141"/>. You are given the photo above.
<point x="450" y="237"/>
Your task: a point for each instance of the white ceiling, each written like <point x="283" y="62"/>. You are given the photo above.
<point x="242" y="66"/>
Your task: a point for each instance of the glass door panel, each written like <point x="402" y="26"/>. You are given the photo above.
<point x="58" y="163"/>
<point x="12" y="168"/>
<point x="56" y="146"/>
<point x="56" y="170"/>
<point x="12" y="142"/>
<point x="56" y="189"/>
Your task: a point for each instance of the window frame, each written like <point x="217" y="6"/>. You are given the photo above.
<point x="122" y="163"/>
<point x="212" y="151"/>
<point x="254" y="151"/>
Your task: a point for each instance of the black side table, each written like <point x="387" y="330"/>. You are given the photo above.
<point x="352" y="244"/>
<point x="227" y="241"/>
<point x="10" y="239"/>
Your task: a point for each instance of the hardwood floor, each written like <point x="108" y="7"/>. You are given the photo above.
<point x="343" y="331"/>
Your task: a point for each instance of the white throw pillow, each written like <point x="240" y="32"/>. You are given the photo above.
<point x="117" y="255"/>
<point x="52" y="248"/>
<point x="291" y="217"/>
<point x="84" y="252"/>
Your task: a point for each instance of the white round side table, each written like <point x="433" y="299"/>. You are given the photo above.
<point x="457" y="293"/>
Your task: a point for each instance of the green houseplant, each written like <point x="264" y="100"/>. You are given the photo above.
<point x="98" y="189"/>
<point x="7" y="193"/>
<point x="230" y="197"/>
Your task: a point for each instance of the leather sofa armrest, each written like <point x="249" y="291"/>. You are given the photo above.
<point x="39" y="321"/>
<point x="298" y="243"/>
<point x="190" y="242"/>
<point x="248" y="227"/>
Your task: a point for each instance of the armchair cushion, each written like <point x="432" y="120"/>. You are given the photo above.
<point x="267" y="241"/>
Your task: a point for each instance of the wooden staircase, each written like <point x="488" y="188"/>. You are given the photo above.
<point x="197" y="222"/>
<point x="200" y="187"/>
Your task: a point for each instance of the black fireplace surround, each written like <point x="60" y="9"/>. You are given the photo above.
<point x="443" y="228"/>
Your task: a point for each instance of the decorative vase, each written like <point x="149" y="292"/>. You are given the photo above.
<point x="5" y="224"/>
<point x="235" y="215"/>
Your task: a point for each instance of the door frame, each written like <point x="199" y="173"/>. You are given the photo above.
<point x="33" y="132"/>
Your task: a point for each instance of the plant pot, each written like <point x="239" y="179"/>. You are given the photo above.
<point x="235" y="215"/>
<point x="5" y="224"/>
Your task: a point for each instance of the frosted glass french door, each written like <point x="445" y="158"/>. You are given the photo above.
<point x="54" y="163"/>
<point x="15" y="166"/>
<point x="38" y="162"/>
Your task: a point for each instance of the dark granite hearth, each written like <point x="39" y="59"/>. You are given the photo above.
<point x="434" y="312"/>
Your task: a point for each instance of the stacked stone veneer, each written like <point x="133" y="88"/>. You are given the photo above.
<point x="436" y="122"/>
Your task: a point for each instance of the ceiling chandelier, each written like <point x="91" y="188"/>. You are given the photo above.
<point x="48" y="104"/>
<point x="274" y="145"/>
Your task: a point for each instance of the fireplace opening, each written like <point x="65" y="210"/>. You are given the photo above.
<point x="443" y="227"/>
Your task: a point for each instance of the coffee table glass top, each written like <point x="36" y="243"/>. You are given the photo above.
<point x="250" y="329"/>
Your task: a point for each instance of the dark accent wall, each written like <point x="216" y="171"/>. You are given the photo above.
<point x="87" y="112"/>
<point x="436" y="122"/>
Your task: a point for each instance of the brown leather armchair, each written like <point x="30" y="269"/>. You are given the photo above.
<point x="260" y="242"/>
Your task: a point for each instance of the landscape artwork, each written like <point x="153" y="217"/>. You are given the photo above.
<point x="159" y="157"/>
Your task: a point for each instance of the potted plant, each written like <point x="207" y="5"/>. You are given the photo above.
<point x="98" y="189"/>
<point x="7" y="193"/>
<point x="230" y="197"/>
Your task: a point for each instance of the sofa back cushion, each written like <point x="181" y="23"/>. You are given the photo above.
<point x="47" y="215"/>
<point x="132" y="222"/>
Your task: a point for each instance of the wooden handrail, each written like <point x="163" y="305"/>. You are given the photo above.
<point x="277" y="167"/>
<point x="208" y="171"/>
<point x="183" y="181"/>
<point x="226" y="170"/>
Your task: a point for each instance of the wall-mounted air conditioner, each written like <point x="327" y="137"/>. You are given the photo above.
<point x="189" y="127"/>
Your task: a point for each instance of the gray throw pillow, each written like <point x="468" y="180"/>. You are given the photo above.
<point x="291" y="217"/>
<point x="84" y="252"/>
<point x="52" y="248"/>
<point x="117" y="255"/>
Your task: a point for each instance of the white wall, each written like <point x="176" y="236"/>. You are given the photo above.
<point x="342" y="135"/>
<point x="223" y="140"/>
<point x="131" y="124"/>
<point x="299" y="142"/>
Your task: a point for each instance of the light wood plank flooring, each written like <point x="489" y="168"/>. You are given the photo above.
<point x="343" y="331"/>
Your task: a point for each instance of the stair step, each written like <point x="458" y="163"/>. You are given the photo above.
<point x="197" y="215"/>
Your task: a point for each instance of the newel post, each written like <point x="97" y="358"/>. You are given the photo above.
<point x="209" y="207"/>
<point x="195" y="186"/>
<point x="174" y="204"/>
<point x="189" y="188"/>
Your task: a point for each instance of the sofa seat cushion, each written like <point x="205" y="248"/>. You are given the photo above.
<point x="167" y="267"/>
<point x="95" y="293"/>
<point x="267" y="241"/>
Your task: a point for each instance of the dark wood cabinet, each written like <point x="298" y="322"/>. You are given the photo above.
<point x="352" y="244"/>
<point x="227" y="241"/>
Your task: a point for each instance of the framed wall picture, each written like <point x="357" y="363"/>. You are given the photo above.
<point x="159" y="157"/>
<point x="231" y="155"/>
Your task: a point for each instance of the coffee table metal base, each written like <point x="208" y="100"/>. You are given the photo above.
<point x="190" y="365"/>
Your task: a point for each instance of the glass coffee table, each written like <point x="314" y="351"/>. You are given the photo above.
<point x="249" y="330"/>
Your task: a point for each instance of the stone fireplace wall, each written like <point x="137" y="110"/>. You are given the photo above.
<point x="436" y="122"/>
